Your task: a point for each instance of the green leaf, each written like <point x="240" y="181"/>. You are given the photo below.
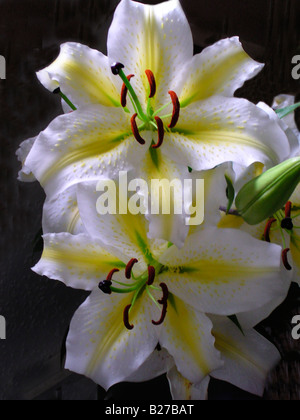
<point x="283" y="112"/>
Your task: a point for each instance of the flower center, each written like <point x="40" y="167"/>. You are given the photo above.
<point x="140" y="284"/>
<point x="150" y="119"/>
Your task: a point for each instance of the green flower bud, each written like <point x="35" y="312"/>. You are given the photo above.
<point x="260" y="198"/>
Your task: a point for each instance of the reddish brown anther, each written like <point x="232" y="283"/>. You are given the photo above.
<point x="165" y="290"/>
<point x="163" y="315"/>
<point x="288" y="209"/>
<point x="285" y="259"/>
<point x="161" y="133"/>
<point x="176" y="109"/>
<point x="268" y="228"/>
<point x="135" y="130"/>
<point x="124" y="92"/>
<point x="151" y="275"/>
<point x="152" y="83"/>
<point x="129" y="267"/>
<point x="126" y="318"/>
<point x="111" y="273"/>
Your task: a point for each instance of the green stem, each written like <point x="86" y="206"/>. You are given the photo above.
<point x="152" y="298"/>
<point x="139" y="108"/>
<point x="67" y="100"/>
<point x="161" y="109"/>
<point x="127" y="290"/>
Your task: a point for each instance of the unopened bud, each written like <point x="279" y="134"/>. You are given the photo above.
<point x="264" y="195"/>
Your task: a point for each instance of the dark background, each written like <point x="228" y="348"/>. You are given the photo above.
<point x="38" y="310"/>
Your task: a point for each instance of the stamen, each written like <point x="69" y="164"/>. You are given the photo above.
<point x="111" y="273"/>
<point x="165" y="290"/>
<point x="104" y="286"/>
<point x="151" y="275"/>
<point x="161" y="133"/>
<point x="163" y="315"/>
<point x="135" y="130"/>
<point x="152" y="83"/>
<point x="129" y="267"/>
<point x="285" y="260"/>
<point x="287" y="223"/>
<point x="116" y="67"/>
<point x="268" y="228"/>
<point x="176" y="109"/>
<point x="124" y="92"/>
<point x="126" y="318"/>
<point x="288" y="209"/>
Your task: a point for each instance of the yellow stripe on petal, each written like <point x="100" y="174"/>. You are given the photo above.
<point x="76" y="260"/>
<point x="219" y="70"/>
<point x="186" y="334"/>
<point x="84" y="76"/>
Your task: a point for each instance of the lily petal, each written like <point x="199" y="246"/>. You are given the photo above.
<point x="186" y="334"/>
<point x="125" y="232"/>
<point x="25" y="175"/>
<point x="219" y="129"/>
<point x="158" y="363"/>
<point x="156" y="38"/>
<point x="83" y="146"/>
<point x="184" y="390"/>
<point x="248" y="359"/>
<point x="171" y="200"/>
<point x="224" y="271"/>
<point x="250" y="319"/>
<point x="61" y="213"/>
<point x="83" y="75"/>
<point x="214" y="195"/>
<point x="77" y="260"/>
<point x="219" y="69"/>
<point x="100" y="347"/>
<point x="292" y="137"/>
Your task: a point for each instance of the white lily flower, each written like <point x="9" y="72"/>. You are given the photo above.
<point x="217" y="271"/>
<point x="153" y="43"/>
